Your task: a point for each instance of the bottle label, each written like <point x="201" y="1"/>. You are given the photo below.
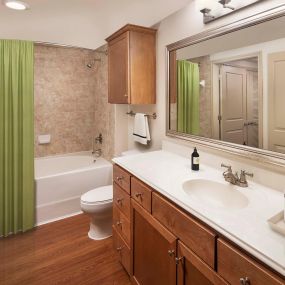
<point x="195" y="160"/>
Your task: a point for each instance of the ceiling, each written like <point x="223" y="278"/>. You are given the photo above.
<point x="84" y="23"/>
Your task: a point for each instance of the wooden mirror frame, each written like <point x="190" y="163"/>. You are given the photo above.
<point x="261" y="155"/>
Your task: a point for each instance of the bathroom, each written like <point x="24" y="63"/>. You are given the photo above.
<point x="102" y="104"/>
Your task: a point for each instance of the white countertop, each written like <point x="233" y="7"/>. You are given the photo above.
<point x="247" y="227"/>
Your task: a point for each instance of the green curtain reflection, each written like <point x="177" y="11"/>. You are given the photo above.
<point x="17" y="201"/>
<point x="188" y="92"/>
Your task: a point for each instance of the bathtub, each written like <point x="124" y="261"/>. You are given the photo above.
<point x="61" y="180"/>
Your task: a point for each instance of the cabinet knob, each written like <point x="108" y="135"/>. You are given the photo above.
<point x="171" y="252"/>
<point x="126" y="95"/>
<point x="119" y="223"/>
<point x="244" y="281"/>
<point x="120" y="200"/>
<point x="138" y="195"/>
<point x="119" y="178"/>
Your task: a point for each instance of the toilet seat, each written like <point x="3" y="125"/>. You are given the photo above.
<point x="100" y="195"/>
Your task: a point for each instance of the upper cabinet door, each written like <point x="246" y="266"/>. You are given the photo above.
<point x="132" y="65"/>
<point x="118" y="52"/>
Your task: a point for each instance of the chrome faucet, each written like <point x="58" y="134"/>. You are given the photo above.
<point x="235" y="179"/>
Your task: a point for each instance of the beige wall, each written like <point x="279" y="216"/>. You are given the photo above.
<point x="71" y="101"/>
<point x="104" y="120"/>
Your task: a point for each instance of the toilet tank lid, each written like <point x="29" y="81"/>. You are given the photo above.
<point x="98" y="195"/>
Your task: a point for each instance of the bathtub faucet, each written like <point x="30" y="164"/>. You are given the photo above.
<point x="97" y="152"/>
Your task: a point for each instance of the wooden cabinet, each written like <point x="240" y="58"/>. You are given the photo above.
<point x="123" y="250"/>
<point x="159" y="243"/>
<point x="192" y="270"/>
<point x="122" y="178"/>
<point x="122" y="216"/>
<point x="132" y="66"/>
<point x="154" y="250"/>
<point x="198" y="238"/>
<point x="237" y="268"/>
<point x="141" y="193"/>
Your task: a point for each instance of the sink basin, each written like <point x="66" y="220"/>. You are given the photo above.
<point x="215" y="194"/>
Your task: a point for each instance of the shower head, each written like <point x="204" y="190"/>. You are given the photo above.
<point x="92" y="63"/>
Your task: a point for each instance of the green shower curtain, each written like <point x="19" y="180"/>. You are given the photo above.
<point x="17" y="198"/>
<point x="188" y="90"/>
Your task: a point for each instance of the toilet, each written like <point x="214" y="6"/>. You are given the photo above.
<point x="97" y="203"/>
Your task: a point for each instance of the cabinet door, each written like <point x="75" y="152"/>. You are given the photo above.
<point x="118" y="52"/>
<point x="191" y="270"/>
<point x="154" y="250"/>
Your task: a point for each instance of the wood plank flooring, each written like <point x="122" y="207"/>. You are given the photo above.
<point x="60" y="253"/>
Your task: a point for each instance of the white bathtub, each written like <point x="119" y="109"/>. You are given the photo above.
<point x="61" y="180"/>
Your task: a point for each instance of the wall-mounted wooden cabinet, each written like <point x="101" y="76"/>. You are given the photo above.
<point x="132" y="66"/>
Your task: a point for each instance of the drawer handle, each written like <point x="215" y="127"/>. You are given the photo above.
<point x="139" y="195"/>
<point x="119" y="178"/>
<point x="120" y="201"/>
<point x="179" y="259"/>
<point x="126" y="95"/>
<point x="244" y="281"/>
<point x="171" y="252"/>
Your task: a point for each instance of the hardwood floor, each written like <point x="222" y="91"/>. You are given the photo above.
<point x="59" y="253"/>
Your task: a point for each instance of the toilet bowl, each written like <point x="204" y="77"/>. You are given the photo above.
<point x="97" y="203"/>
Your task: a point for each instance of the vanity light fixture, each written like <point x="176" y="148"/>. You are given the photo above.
<point x="215" y="9"/>
<point x="226" y="5"/>
<point x="16" y="5"/>
<point x="207" y="14"/>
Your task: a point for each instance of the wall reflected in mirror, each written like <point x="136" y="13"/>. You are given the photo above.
<point x="232" y="88"/>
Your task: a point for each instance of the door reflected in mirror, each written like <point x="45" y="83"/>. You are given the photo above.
<point x="231" y="88"/>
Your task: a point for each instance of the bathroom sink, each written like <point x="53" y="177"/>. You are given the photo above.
<point x="215" y="194"/>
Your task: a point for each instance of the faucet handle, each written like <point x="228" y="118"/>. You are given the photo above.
<point x="242" y="180"/>
<point x="243" y="173"/>
<point x="226" y="166"/>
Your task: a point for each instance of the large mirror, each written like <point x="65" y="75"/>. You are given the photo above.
<point x="230" y="87"/>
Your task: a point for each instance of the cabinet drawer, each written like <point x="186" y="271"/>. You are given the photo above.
<point x="234" y="265"/>
<point x="122" y="178"/>
<point x="122" y="224"/>
<point x="122" y="200"/>
<point x="141" y="193"/>
<point x="123" y="250"/>
<point x="198" y="238"/>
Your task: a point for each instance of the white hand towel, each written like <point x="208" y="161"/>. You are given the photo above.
<point x="141" y="129"/>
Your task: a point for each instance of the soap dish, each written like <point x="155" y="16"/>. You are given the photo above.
<point x="277" y="223"/>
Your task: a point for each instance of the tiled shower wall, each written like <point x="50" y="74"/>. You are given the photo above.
<point x="71" y="101"/>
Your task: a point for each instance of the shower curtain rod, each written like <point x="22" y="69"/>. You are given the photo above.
<point x="66" y="46"/>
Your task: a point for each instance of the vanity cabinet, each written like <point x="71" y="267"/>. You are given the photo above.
<point x="132" y="66"/>
<point x="160" y="243"/>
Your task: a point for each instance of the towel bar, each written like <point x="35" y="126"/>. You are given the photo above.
<point x="153" y="116"/>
